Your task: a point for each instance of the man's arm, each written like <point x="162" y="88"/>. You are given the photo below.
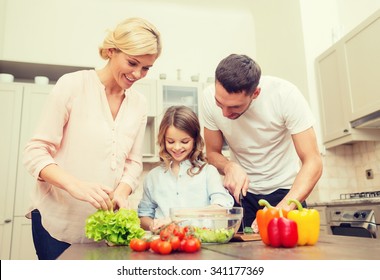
<point x="214" y="145"/>
<point x="235" y="177"/>
<point x="311" y="169"/>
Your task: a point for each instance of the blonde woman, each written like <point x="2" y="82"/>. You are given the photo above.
<point x="184" y="179"/>
<point x="86" y="153"/>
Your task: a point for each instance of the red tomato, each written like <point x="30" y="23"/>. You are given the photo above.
<point x="175" y="242"/>
<point x="165" y="234"/>
<point x="147" y="244"/>
<point x="191" y="245"/>
<point x="182" y="245"/>
<point x="164" y="247"/>
<point x="171" y="227"/>
<point x="132" y="242"/>
<point x="180" y="232"/>
<point x="154" y="245"/>
<point x="138" y="245"/>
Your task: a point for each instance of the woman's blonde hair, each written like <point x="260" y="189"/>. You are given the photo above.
<point x="133" y="36"/>
<point x="182" y="118"/>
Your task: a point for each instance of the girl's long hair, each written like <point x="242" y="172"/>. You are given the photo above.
<point x="183" y="118"/>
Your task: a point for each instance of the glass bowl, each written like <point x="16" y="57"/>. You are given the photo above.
<point x="210" y="225"/>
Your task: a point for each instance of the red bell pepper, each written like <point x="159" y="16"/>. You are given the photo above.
<point x="282" y="232"/>
<point x="264" y="216"/>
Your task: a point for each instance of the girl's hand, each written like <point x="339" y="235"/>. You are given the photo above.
<point x="157" y="223"/>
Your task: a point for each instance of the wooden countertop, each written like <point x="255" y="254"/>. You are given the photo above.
<point x="328" y="247"/>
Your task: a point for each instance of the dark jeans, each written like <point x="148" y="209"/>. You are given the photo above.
<point x="251" y="204"/>
<point x="47" y="247"/>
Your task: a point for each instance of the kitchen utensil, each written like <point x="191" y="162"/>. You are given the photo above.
<point x="41" y="80"/>
<point x="6" y="78"/>
<point x="241" y="198"/>
<point x="239" y="236"/>
<point x="212" y="225"/>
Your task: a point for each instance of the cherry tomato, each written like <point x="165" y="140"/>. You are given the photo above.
<point x="191" y="245"/>
<point x="175" y="242"/>
<point x="154" y="245"/>
<point x="164" y="247"/>
<point x="182" y="245"/>
<point x="132" y="242"/>
<point x="138" y="245"/>
<point x="165" y="234"/>
<point x="147" y="244"/>
<point x="180" y="232"/>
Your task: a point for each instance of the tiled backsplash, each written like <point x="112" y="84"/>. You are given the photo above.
<point x="344" y="171"/>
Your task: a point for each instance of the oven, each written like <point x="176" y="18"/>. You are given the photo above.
<point x="355" y="214"/>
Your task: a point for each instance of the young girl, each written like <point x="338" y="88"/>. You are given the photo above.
<point x="184" y="179"/>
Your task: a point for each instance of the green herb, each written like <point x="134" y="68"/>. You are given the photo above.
<point x="116" y="227"/>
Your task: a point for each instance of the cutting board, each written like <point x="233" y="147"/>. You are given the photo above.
<point x="246" y="237"/>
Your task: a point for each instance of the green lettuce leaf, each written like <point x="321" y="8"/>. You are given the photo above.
<point x="116" y="227"/>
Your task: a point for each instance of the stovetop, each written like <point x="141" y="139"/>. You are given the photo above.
<point x="360" y="195"/>
<point x="354" y="199"/>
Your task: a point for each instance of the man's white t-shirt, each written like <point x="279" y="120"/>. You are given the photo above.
<point x="260" y="139"/>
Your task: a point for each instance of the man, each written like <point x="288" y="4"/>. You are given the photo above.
<point x="268" y="127"/>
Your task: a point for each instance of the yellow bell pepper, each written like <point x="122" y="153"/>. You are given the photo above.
<point x="308" y="223"/>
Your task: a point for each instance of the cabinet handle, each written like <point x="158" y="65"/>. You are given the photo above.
<point x="7" y="221"/>
<point x="345" y="131"/>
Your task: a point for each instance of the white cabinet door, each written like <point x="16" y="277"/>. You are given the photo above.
<point x="348" y="82"/>
<point x="22" y="240"/>
<point x="10" y="113"/>
<point x="331" y="82"/>
<point x="362" y="58"/>
<point x="33" y="105"/>
<point x="149" y="89"/>
<point x="178" y="93"/>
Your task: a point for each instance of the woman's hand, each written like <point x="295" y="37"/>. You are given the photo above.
<point x="95" y="194"/>
<point x="120" y="196"/>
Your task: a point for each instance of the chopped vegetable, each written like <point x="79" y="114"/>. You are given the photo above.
<point x="207" y="235"/>
<point x="248" y="230"/>
<point x="117" y="228"/>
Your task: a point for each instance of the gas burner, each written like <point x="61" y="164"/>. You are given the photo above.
<point x="359" y="195"/>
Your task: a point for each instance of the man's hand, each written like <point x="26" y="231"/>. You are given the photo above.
<point x="255" y="227"/>
<point x="235" y="179"/>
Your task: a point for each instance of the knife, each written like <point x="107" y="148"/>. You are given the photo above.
<point x="241" y="198"/>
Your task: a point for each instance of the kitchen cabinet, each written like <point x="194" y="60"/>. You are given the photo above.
<point x="10" y="103"/>
<point x="362" y="59"/>
<point x="169" y="93"/>
<point x="21" y="105"/>
<point x="324" y="228"/>
<point x="22" y="240"/>
<point x="179" y="93"/>
<point x="148" y="88"/>
<point x="347" y="83"/>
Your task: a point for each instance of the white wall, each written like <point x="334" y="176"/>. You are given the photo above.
<point x="195" y="36"/>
